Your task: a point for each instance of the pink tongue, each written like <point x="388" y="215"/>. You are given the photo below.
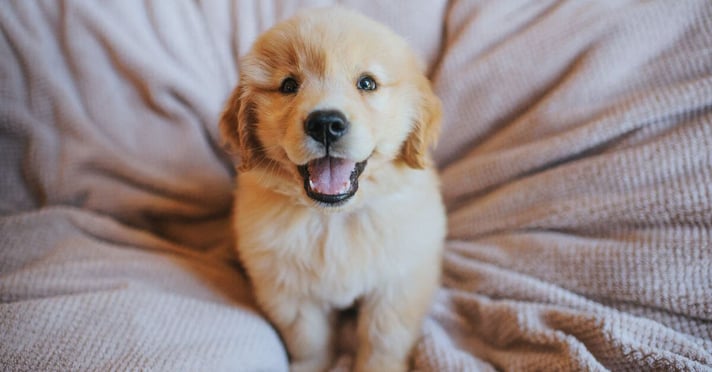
<point x="331" y="176"/>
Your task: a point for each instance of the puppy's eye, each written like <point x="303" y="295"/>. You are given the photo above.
<point x="366" y="83"/>
<point x="289" y="86"/>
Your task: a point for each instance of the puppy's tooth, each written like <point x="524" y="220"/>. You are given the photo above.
<point x="311" y="184"/>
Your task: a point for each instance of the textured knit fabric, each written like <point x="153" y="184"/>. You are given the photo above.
<point x="576" y="163"/>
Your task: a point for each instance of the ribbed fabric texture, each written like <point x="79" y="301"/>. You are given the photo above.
<point x="576" y="162"/>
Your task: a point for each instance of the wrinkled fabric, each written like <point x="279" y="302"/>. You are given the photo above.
<point x="576" y="164"/>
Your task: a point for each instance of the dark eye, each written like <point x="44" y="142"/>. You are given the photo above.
<point x="289" y="86"/>
<point x="366" y="83"/>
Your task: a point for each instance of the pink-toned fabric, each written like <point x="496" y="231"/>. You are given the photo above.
<point x="576" y="162"/>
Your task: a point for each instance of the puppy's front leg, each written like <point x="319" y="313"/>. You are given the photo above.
<point x="390" y="321"/>
<point x="306" y="329"/>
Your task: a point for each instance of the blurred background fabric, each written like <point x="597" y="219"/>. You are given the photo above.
<point x="576" y="163"/>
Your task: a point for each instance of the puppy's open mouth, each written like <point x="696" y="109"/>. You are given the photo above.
<point x="331" y="180"/>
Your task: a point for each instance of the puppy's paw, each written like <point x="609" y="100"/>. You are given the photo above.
<point x="380" y="363"/>
<point x="316" y="364"/>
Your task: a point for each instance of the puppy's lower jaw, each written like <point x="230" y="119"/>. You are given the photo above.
<point x="330" y="180"/>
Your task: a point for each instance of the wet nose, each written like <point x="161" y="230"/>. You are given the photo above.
<point x="326" y="126"/>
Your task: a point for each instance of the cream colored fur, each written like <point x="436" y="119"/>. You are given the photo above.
<point x="382" y="248"/>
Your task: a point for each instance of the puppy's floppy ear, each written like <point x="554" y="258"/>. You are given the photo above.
<point x="426" y="127"/>
<point x="237" y="128"/>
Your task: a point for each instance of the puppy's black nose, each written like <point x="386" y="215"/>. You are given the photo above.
<point x="326" y="126"/>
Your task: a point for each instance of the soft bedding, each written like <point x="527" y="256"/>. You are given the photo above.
<point x="576" y="164"/>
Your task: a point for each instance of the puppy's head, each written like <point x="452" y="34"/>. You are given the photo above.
<point x="324" y="98"/>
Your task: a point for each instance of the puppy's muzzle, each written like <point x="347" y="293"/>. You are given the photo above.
<point x="330" y="180"/>
<point x="326" y="126"/>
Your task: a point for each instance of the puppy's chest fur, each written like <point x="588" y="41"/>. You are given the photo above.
<point x="334" y="257"/>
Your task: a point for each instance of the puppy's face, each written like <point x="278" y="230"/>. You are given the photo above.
<point x="326" y="99"/>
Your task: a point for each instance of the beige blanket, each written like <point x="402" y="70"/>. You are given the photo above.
<point x="576" y="162"/>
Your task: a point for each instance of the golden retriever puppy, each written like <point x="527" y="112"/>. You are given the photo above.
<point x="337" y="203"/>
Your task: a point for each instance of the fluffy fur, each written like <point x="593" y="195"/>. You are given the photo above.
<point x="381" y="248"/>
